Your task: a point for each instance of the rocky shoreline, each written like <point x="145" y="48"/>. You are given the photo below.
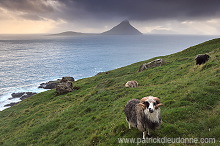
<point x="21" y="95"/>
<point x="65" y="84"/>
<point x="61" y="84"/>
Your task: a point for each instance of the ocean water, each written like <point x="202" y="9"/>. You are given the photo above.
<point x="28" y="60"/>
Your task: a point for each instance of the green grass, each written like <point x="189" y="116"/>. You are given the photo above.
<point x="93" y="115"/>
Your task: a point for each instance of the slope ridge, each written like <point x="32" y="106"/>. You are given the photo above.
<point x="94" y="114"/>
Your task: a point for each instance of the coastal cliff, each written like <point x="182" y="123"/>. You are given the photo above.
<point x="93" y="115"/>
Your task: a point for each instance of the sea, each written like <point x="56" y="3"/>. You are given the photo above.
<point x="26" y="61"/>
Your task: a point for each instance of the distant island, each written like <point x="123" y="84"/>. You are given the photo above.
<point x="124" y="28"/>
<point x="70" y="33"/>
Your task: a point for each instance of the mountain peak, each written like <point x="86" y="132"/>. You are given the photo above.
<point x="125" y="21"/>
<point x="124" y="28"/>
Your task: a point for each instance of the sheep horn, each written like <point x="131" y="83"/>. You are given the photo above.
<point x="142" y="106"/>
<point x="156" y="99"/>
<point x="158" y="105"/>
<point x="143" y="99"/>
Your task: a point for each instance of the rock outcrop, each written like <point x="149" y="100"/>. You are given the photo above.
<point x="11" y="104"/>
<point x="154" y="63"/>
<point x="53" y="84"/>
<point x="65" y="79"/>
<point x="64" y="87"/>
<point x="22" y="95"/>
<point x="49" y="85"/>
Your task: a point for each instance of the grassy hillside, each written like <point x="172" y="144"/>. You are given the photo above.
<point x="93" y="115"/>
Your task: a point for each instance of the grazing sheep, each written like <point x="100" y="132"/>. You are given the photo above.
<point x="154" y="63"/>
<point x="201" y="59"/>
<point x="143" y="114"/>
<point x="132" y="84"/>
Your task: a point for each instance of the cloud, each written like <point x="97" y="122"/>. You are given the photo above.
<point x="99" y="15"/>
<point x="143" y="10"/>
<point x="32" y="6"/>
<point x="28" y="16"/>
<point x="197" y="27"/>
<point x="31" y="9"/>
<point x="140" y="10"/>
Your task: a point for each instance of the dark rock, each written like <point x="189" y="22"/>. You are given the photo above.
<point x="22" y="95"/>
<point x="64" y="87"/>
<point x="27" y="94"/>
<point x="11" y="104"/>
<point x="201" y="59"/>
<point x="65" y="79"/>
<point x="154" y="63"/>
<point x="53" y="84"/>
<point x="49" y="85"/>
<point x="17" y="95"/>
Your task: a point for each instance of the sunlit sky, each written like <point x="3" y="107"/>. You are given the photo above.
<point x="95" y="16"/>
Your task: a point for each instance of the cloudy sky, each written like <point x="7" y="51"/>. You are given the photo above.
<point x="94" y="16"/>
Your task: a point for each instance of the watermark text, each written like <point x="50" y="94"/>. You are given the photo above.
<point x="166" y="140"/>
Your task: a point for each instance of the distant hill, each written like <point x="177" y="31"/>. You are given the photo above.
<point x="124" y="28"/>
<point x="70" y="33"/>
